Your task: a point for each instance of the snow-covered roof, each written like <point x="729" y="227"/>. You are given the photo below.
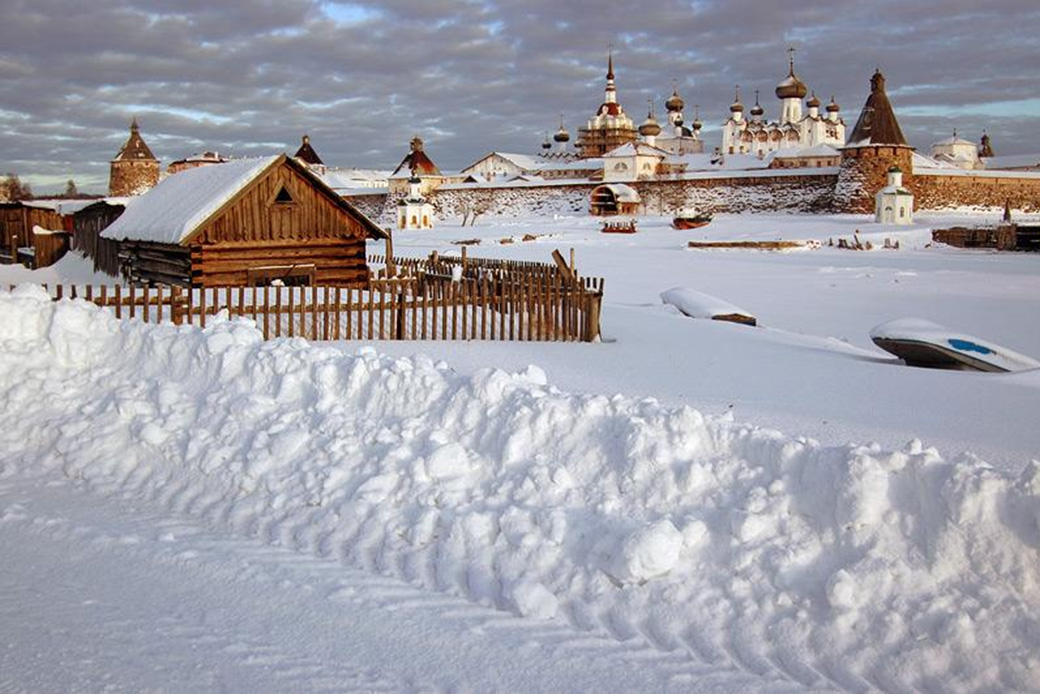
<point x="953" y="140"/>
<point x="728" y="162"/>
<point x="622" y="193"/>
<point x="637" y="148"/>
<point x="1013" y="161"/>
<point x="172" y="210"/>
<point x="820" y="150"/>
<point x="61" y="206"/>
<point x="922" y="162"/>
<point x="339" y="179"/>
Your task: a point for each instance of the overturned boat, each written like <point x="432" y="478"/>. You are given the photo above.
<point x="690" y="219"/>
<point x="920" y="342"/>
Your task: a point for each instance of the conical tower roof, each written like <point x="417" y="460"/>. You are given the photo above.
<point x="307" y="154"/>
<point x="877" y="124"/>
<point x="134" y="149"/>
<point x="417" y="162"/>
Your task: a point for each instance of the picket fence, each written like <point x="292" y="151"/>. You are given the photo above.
<point x="530" y="306"/>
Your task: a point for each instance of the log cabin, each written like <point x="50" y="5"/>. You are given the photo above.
<point x="248" y="222"/>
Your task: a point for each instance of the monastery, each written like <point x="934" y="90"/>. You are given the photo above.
<point x="799" y="161"/>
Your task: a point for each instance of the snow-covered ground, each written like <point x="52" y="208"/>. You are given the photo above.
<point x="781" y="508"/>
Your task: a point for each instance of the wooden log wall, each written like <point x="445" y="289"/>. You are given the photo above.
<point x="86" y="238"/>
<point x="339" y="261"/>
<point x="535" y="308"/>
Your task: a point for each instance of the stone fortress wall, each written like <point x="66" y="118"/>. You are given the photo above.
<point x="849" y="189"/>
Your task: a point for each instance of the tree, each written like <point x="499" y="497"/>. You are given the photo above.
<point x="70" y="189"/>
<point x="13" y="189"/>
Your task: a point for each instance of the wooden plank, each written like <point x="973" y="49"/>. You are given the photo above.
<point x="292" y="306"/>
<point x="326" y="316"/>
<point x="277" y="312"/>
<point x="381" y="287"/>
<point x="338" y="317"/>
<point x="454" y="287"/>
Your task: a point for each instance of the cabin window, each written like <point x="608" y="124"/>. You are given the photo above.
<point x="284" y="197"/>
<point x="281" y="275"/>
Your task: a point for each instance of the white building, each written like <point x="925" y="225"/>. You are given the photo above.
<point x="636" y="161"/>
<point x="794" y="129"/>
<point x="675" y="136"/>
<point x="414" y="211"/>
<point x="957" y="151"/>
<point x="894" y="204"/>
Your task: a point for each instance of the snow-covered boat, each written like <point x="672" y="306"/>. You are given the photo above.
<point x="689" y="219"/>
<point x="920" y="342"/>
<point x="695" y="304"/>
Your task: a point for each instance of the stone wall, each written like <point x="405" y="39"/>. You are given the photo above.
<point x="864" y="171"/>
<point x="789" y="193"/>
<point x="849" y="190"/>
<point x="132" y="177"/>
<point x="934" y="191"/>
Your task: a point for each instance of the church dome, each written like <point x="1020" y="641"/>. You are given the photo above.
<point x="650" y="127"/>
<point x="813" y="102"/>
<point x="736" y="106"/>
<point x="757" y="110"/>
<point x="833" y="107"/>
<point x="675" y="102"/>
<point x="791" y="87"/>
<point x="562" y="135"/>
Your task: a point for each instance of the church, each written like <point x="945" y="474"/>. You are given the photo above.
<point x="793" y="130"/>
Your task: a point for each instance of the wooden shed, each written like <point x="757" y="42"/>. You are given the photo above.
<point x="17" y="220"/>
<point x="247" y="222"/>
<point x="87" y="225"/>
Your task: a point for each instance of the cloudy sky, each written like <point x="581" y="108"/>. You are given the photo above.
<point x="470" y="76"/>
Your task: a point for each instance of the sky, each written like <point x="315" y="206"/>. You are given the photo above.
<point x="472" y="76"/>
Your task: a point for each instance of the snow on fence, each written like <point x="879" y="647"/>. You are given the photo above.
<point x="527" y="306"/>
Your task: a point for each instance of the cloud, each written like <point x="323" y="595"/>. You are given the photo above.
<point x="470" y="76"/>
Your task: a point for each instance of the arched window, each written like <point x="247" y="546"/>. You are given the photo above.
<point x="414" y="221"/>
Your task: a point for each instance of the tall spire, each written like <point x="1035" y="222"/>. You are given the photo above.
<point x="610" y="64"/>
<point x="877" y="124"/>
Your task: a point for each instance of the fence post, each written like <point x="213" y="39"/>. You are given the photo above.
<point x="176" y="305"/>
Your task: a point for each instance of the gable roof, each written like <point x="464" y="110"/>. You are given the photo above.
<point x="877" y="124"/>
<point x="182" y="203"/>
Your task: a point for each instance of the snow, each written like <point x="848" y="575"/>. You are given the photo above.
<point x="686" y="506"/>
<point x="71" y="268"/>
<point x="172" y="210"/>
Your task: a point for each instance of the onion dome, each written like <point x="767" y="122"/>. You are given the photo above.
<point x="791" y="87"/>
<point x="650" y="127"/>
<point x="675" y="102"/>
<point x="696" y="125"/>
<point x="757" y="109"/>
<point x="736" y="106"/>
<point x="813" y="102"/>
<point x="562" y="135"/>
<point x="833" y="107"/>
<point x="546" y="145"/>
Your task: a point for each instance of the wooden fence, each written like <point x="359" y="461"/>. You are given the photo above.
<point x="541" y="305"/>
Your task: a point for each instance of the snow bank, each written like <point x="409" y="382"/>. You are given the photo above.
<point x="846" y="566"/>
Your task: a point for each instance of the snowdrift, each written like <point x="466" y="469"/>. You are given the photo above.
<point x="847" y="566"/>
